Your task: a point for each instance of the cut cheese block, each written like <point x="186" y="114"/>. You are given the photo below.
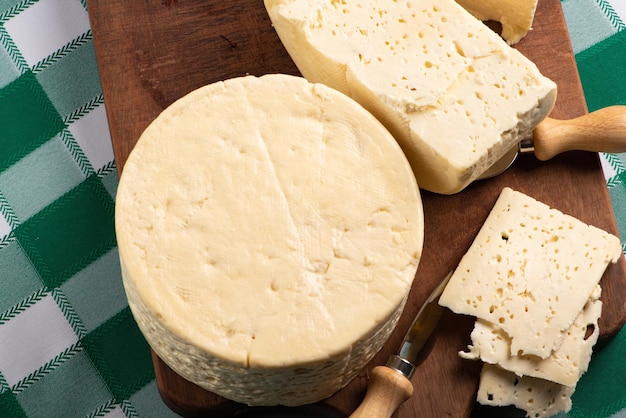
<point x="539" y="398"/>
<point x="516" y="16"/>
<point x="452" y="92"/>
<point x="269" y="231"/>
<point x="564" y="366"/>
<point x="530" y="271"/>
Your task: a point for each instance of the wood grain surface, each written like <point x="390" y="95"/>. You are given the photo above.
<point x="150" y="53"/>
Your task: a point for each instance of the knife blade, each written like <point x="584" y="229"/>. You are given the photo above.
<point x="601" y="131"/>
<point x="390" y="385"/>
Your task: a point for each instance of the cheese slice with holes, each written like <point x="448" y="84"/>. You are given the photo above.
<point x="539" y="398"/>
<point x="526" y="389"/>
<point x="564" y="366"/>
<point x="516" y="16"/>
<point x="530" y="271"/>
<point x="269" y="231"/>
<point x="452" y="92"/>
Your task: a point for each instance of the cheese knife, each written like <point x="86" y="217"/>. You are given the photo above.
<point x="601" y="131"/>
<point x="390" y="385"/>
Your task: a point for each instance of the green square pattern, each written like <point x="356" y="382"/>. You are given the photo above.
<point x="7" y="5"/>
<point x="72" y="81"/>
<point x="587" y="23"/>
<point x="121" y="354"/>
<point x="40" y="178"/>
<point x="27" y="117"/>
<point x="110" y="181"/>
<point x="10" y="407"/>
<point x="8" y="70"/>
<point x="147" y="403"/>
<point x="57" y="394"/>
<point x="92" y="294"/>
<point x="609" y="59"/>
<point x="618" y="198"/>
<point x="19" y="278"/>
<point x="592" y="399"/>
<point x="70" y="233"/>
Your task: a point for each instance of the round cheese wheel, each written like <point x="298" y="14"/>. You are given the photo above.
<point x="269" y="231"/>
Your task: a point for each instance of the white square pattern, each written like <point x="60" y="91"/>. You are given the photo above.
<point x="92" y="134"/>
<point x="620" y="8"/>
<point x="33" y="338"/>
<point x="63" y="21"/>
<point x="5" y="228"/>
<point x="115" y="413"/>
<point x="607" y="169"/>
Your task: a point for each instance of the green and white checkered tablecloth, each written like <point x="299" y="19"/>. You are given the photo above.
<point x="68" y="344"/>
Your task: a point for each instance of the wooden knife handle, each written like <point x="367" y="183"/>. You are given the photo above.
<point x="386" y="391"/>
<point x="601" y="131"/>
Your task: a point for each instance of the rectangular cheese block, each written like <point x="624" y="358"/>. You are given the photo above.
<point x="530" y="271"/>
<point x="455" y="96"/>
<point x="516" y="16"/>
<point x="564" y="366"/>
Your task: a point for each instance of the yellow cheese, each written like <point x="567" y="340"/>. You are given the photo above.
<point x="269" y="232"/>
<point x="530" y="271"/>
<point x="539" y="398"/>
<point x="566" y="363"/>
<point x="518" y="381"/>
<point x="452" y="92"/>
<point x="516" y="16"/>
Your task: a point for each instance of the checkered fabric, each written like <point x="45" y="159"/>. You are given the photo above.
<point x="68" y="344"/>
<point x="597" y="30"/>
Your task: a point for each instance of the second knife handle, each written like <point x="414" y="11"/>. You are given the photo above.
<point x="601" y="131"/>
<point x="386" y="391"/>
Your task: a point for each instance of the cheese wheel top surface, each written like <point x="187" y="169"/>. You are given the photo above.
<point x="268" y="221"/>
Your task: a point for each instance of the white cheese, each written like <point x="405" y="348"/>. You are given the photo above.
<point x="452" y="92"/>
<point x="516" y="16"/>
<point x="530" y="271"/>
<point x="269" y="232"/>
<point x="539" y="398"/>
<point x="564" y="366"/>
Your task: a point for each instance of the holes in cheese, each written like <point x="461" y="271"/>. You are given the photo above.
<point x="564" y="365"/>
<point x="515" y="16"/>
<point x="549" y="264"/>
<point x="531" y="279"/>
<point x="539" y="398"/>
<point x="452" y="92"/>
<point x="269" y="231"/>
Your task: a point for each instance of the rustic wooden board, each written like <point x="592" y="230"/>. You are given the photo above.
<point x="150" y="53"/>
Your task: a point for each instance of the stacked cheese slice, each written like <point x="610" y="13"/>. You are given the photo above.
<point x="269" y="232"/>
<point x="516" y="16"/>
<point x="452" y="92"/>
<point x="531" y="278"/>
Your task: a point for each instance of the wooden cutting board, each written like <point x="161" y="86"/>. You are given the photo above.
<point x="151" y="52"/>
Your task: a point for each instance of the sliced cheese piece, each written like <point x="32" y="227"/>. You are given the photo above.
<point x="539" y="398"/>
<point x="452" y="92"/>
<point x="516" y="16"/>
<point x="530" y="271"/>
<point x="269" y="230"/>
<point x="564" y="366"/>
